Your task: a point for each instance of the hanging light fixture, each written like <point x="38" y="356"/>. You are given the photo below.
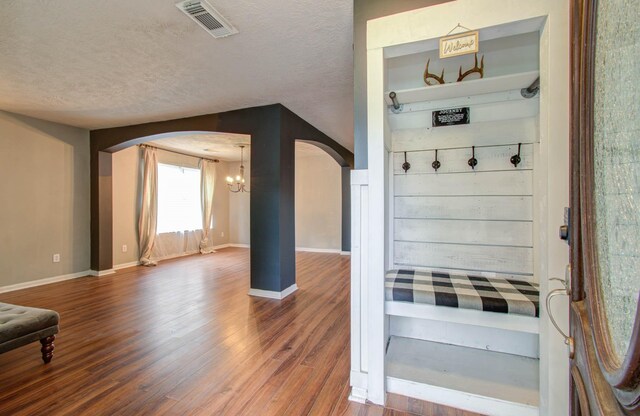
<point x="237" y="184"/>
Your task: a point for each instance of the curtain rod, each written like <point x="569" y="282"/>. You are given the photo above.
<point x="180" y="153"/>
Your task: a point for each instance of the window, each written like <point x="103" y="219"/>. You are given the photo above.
<point x="178" y="199"/>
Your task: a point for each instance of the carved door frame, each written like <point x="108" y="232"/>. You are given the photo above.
<point x="599" y="384"/>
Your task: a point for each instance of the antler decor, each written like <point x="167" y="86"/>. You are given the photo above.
<point x="427" y="75"/>
<point x="476" y="68"/>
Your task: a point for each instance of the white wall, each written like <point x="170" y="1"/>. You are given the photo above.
<point x="126" y="182"/>
<point x="318" y="199"/>
<point x="239" y="210"/>
<point x="45" y="199"/>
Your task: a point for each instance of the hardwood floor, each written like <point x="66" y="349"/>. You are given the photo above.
<point x="184" y="338"/>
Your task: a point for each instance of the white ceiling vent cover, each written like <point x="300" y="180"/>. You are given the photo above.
<point x="207" y="17"/>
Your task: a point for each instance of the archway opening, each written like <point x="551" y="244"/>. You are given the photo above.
<point x="179" y="216"/>
<point x="318" y="200"/>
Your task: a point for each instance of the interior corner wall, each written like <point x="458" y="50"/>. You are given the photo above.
<point x="364" y="10"/>
<point x="239" y="210"/>
<point x="126" y="182"/>
<point x="318" y="202"/>
<point x="45" y="192"/>
<point x="126" y="191"/>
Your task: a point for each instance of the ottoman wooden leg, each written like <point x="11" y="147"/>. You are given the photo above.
<point x="47" y="348"/>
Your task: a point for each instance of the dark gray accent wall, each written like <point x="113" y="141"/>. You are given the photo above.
<point x="346" y="209"/>
<point x="364" y="10"/>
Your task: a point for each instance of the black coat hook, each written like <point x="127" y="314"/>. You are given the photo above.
<point x="406" y="165"/>
<point x="473" y="161"/>
<point x="515" y="159"/>
<point x="436" y="163"/>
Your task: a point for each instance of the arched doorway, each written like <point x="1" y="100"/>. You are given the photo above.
<point x="273" y="130"/>
<point x="179" y="229"/>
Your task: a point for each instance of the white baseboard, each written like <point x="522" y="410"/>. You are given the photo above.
<point x="100" y="273"/>
<point x="273" y="294"/>
<point x="125" y="265"/>
<point x="358" y="395"/>
<point x="307" y="249"/>
<point x="45" y="281"/>
<point x="319" y="250"/>
<point x="221" y="246"/>
<point x="458" y="399"/>
<point x="358" y="382"/>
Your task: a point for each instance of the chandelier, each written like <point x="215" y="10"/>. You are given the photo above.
<point x="237" y="184"/>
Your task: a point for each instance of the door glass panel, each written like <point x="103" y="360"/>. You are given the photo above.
<point x="617" y="164"/>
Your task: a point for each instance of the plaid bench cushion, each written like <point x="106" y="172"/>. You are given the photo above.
<point x="491" y="294"/>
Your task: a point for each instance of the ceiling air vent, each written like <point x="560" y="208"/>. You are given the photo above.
<point x="207" y="17"/>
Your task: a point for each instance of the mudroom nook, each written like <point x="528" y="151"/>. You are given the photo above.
<point x="451" y="252"/>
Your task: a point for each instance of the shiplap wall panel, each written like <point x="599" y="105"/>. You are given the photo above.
<point x="514" y="260"/>
<point x="458" y="218"/>
<point x="455" y="160"/>
<point x="505" y="208"/>
<point x="521" y="130"/>
<point x="516" y="182"/>
<point x="506" y="233"/>
<point x="480" y="113"/>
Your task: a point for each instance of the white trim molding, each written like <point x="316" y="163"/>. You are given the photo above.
<point x="358" y="381"/>
<point x="345" y="253"/>
<point x="238" y="245"/>
<point x="101" y="273"/>
<point x="45" y="281"/>
<point x="126" y="265"/>
<point x="319" y="250"/>
<point x="270" y="294"/>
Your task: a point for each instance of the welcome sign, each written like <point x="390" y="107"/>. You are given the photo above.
<point x="460" y="44"/>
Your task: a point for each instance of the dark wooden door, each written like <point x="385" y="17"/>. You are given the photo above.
<point x="605" y="207"/>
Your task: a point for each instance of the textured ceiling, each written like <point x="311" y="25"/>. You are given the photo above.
<point x="96" y="63"/>
<point x="223" y="146"/>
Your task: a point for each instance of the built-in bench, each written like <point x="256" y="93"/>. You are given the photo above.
<point x="447" y="329"/>
<point x="469" y="299"/>
<point x="488" y="294"/>
<point x="20" y="325"/>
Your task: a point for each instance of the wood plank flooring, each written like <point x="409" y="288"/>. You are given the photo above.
<point x="184" y="338"/>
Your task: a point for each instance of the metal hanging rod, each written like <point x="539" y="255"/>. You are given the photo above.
<point x="532" y="89"/>
<point x="394" y="99"/>
<point x="463" y="147"/>
<point x="179" y="153"/>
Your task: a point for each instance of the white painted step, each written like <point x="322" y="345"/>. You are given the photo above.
<point x="486" y="382"/>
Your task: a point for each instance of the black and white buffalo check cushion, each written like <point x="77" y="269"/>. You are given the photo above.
<point x="491" y="294"/>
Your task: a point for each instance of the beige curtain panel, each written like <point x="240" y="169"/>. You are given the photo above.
<point x="148" y="221"/>
<point x="207" y="189"/>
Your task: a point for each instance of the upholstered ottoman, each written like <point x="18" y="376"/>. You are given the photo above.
<point x="20" y="325"/>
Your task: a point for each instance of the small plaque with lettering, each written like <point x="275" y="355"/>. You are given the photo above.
<point x="450" y="117"/>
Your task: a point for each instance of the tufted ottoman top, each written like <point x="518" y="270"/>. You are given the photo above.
<point x="17" y="321"/>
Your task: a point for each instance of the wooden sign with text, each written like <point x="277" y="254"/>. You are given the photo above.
<point x="460" y="44"/>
